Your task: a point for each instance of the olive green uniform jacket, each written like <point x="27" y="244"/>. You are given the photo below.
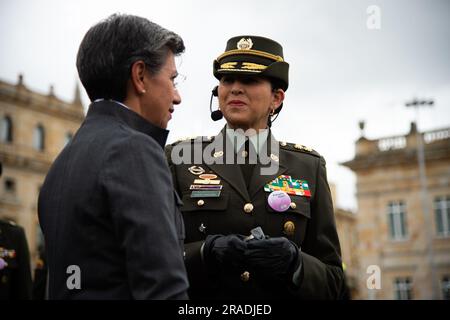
<point x="309" y="222"/>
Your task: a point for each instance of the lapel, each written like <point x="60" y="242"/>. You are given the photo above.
<point x="260" y="178"/>
<point x="233" y="174"/>
<point x="229" y="172"/>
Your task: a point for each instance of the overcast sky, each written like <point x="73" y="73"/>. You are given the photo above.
<point x="340" y="70"/>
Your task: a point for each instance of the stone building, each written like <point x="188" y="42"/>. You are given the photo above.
<point x="33" y="130"/>
<point x="404" y="215"/>
<point x="346" y="224"/>
<point x="346" y="227"/>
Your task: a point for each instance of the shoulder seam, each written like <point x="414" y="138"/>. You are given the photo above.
<point x="299" y="148"/>
<point x="204" y="139"/>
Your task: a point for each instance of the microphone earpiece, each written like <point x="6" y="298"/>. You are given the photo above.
<point x="215" y="115"/>
<point x="215" y="91"/>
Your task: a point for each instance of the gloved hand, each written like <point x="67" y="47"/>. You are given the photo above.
<point x="221" y="251"/>
<point x="273" y="257"/>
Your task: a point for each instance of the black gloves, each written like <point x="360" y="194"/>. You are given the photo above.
<point x="269" y="257"/>
<point x="273" y="257"/>
<point x="221" y="251"/>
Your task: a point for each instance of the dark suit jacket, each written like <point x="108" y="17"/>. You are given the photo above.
<point x="311" y="225"/>
<point x="15" y="278"/>
<point x="108" y="206"/>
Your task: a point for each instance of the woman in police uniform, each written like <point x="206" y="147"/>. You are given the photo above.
<point x="226" y="196"/>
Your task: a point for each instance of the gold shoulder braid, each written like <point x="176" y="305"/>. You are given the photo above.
<point x="299" y="148"/>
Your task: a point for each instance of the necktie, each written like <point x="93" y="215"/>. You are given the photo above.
<point x="247" y="168"/>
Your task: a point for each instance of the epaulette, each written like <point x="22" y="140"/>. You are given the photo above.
<point x="299" y="148"/>
<point x="204" y="139"/>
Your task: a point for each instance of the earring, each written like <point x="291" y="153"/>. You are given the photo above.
<point x="143" y="91"/>
<point x="272" y="112"/>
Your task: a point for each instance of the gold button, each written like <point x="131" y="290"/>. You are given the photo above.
<point x="289" y="228"/>
<point x="245" y="276"/>
<point x="244" y="154"/>
<point x="200" y="202"/>
<point x="248" y="207"/>
<point x="293" y="205"/>
<point x="274" y="157"/>
<point x="218" y="154"/>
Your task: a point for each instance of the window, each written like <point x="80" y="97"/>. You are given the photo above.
<point x="445" y="285"/>
<point x="403" y="289"/>
<point x="6" y="129"/>
<point x="67" y="138"/>
<point x="39" y="138"/>
<point x="442" y="215"/>
<point x="10" y="185"/>
<point x="397" y="220"/>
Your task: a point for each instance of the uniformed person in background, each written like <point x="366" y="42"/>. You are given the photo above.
<point x="295" y="252"/>
<point x="15" y="270"/>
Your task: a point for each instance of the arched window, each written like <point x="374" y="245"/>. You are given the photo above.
<point x="67" y="138"/>
<point x="39" y="138"/>
<point x="6" y="129"/>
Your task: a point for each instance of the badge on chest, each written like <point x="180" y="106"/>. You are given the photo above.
<point x="289" y="185"/>
<point x="208" y="186"/>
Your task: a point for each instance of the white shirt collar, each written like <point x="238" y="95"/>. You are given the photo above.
<point x="258" y="140"/>
<point x="102" y="99"/>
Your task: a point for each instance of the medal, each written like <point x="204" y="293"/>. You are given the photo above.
<point x="5" y="253"/>
<point x="289" y="185"/>
<point x="205" y="194"/>
<point x="205" y="187"/>
<point x="196" y="170"/>
<point x="200" y="181"/>
<point x="279" y="201"/>
<point x="3" y="264"/>
<point x="207" y="176"/>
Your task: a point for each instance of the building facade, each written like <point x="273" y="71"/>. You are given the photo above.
<point x="403" y="225"/>
<point x="33" y="130"/>
<point x="346" y="224"/>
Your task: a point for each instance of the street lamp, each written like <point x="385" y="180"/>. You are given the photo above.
<point x="416" y="104"/>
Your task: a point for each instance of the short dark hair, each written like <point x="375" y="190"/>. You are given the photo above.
<point x="110" y="47"/>
<point x="275" y="83"/>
